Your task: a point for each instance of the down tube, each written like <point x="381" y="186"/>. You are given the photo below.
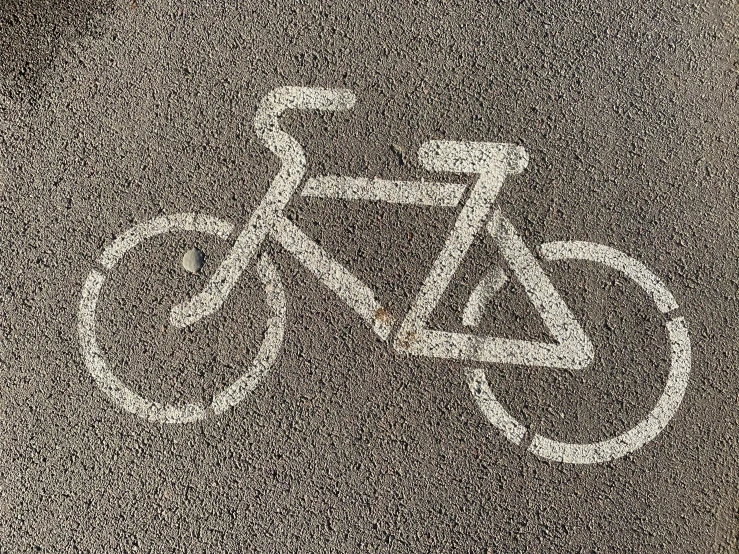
<point x="357" y="295"/>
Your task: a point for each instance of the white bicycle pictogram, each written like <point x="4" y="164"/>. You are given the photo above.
<point x="491" y="162"/>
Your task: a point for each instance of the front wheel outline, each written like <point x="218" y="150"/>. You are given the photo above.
<point x="667" y="404"/>
<point x="113" y="387"/>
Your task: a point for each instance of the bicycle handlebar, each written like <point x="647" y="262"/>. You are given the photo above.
<point x="304" y="98"/>
<point x="267" y="124"/>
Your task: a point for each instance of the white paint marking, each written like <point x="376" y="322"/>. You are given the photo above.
<point x="571" y="348"/>
<point x="491" y="408"/>
<point x="493" y="161"/>
<point x="380" y="190"/>
<point x="284" y="185"/>
<point x="490" y="161"/>
<point x="270" y="347"/>
<point x="644" y="431"/>
<point x="183" y="222"/>
<point x="109" y="383"/>
<point x="635" y="270"/>
<point x="118" y="392"/>
<point x="485" y="290"/>
<point x="665" y="408"/>
<point x="335" y="276"/>
<point x="473" y="157"/>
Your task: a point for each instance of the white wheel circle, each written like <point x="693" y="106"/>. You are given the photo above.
<point x="123" y="396"/>
<point x="658" y="417"/>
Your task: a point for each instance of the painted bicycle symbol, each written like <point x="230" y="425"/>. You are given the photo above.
<point x="491" y="162"/>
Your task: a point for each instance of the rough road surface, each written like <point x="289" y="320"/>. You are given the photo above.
<point x="116" y="113"/>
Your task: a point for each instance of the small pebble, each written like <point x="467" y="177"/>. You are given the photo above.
<point x="193" y="260"/>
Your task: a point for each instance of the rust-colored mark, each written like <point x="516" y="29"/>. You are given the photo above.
<point x="383" y="316"/>
<point x="133" y="4"/>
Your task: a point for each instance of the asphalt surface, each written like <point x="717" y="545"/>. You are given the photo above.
<point x="112" y="114"/>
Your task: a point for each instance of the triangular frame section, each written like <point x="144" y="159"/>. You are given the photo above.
<point x="571" y="348"/>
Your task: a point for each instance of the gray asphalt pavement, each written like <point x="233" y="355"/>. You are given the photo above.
<point x="352" y="430"/>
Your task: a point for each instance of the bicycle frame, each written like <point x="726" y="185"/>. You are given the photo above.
<point x="492" y="162"/>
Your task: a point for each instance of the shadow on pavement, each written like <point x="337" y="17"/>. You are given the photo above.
<point x="32" y="32"/>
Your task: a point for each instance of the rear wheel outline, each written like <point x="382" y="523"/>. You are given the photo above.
<point x="660" y="415"/>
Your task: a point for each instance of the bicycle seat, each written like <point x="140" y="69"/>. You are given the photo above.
<point x="473" y="157"/>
